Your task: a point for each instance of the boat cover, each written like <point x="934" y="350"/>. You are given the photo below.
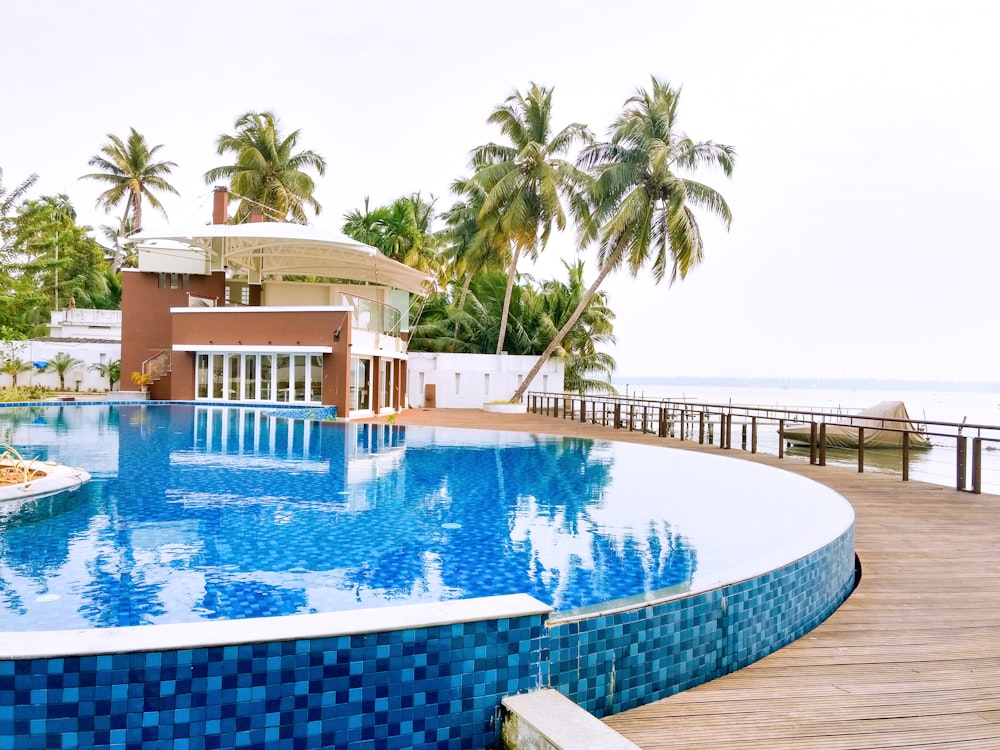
<point x="878" y="424"/>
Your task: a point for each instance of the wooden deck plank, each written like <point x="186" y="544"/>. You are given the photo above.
<point x="911" y="661"/>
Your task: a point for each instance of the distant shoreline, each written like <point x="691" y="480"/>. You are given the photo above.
<point x="860" y="384"/>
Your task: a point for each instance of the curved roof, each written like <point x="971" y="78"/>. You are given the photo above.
<point x="276" y="248"/>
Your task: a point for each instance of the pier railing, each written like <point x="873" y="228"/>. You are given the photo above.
<point x="715" y="423"/>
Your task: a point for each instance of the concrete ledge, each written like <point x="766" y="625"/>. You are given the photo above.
<point x="548" y="720"/>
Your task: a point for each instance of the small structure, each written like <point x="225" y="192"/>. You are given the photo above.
<point x="212" y="313"/>
<point x="468" y="381"/>
<point x="883" y="423"/>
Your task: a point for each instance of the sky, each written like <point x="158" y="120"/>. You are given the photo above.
<point x="864" y="196"/>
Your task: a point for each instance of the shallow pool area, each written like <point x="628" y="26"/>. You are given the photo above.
<point x="260" y="580"/>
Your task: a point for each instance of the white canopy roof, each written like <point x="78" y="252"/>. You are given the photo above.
<point x="265" y="249"/>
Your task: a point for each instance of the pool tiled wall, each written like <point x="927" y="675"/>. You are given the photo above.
<point x="434" y="687"/>
<point x="609" y="663"/>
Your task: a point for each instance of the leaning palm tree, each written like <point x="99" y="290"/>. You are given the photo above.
<point x="643" y="206"/>
<point x="130" y="170"/>
<point x="268" y="173"/>
<point x="527" y="180"/>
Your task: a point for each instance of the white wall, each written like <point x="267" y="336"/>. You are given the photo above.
<point x="42" y="351"/>
<point x="467" y="381"/>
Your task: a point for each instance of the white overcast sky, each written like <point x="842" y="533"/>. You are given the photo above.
<point x="864" y="198"/>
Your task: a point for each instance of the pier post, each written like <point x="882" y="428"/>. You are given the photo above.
<point x="753" y="434"/>
<point x="812" y="443"/>
<point x="977" y="465"/>
<point x="861" y="450"/>
<point x="961" y="451"/>
<point x="906" y="455"/>
<point x="822" y="443"/>
<point x="781" y="438"/>
<point x="683" y="421"/>
<point x="701" y="427"/>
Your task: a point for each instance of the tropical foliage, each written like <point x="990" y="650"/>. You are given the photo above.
<point x="644" y="206"/>
<point x="131" y="172"/>
<point x="267" y="174"/>
<point x="402" y="231"/>
<point x="632" y="196"/>
<point x="49" y="260"/>
<point x="61" y="364"/>
<point x="526" y="180"/>
<point x="537" y="312"/>
<point x="111" y="370"/>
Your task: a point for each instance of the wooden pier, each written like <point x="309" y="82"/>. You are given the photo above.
<point x="910" y="661"/>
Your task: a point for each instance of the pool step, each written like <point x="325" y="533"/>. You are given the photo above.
<point x="548" y="720"/>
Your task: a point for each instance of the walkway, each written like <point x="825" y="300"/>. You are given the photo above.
<point x="910" y="661"/>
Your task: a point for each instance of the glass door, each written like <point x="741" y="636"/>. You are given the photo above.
<point x="361" y="375"/>
<point x="385" y="366"/>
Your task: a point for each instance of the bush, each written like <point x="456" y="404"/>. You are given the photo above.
<point x="23" y="393"/>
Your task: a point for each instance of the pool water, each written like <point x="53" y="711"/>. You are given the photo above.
<point x="199" y="512"/>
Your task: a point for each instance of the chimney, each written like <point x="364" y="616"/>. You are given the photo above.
<point x="256" y="215"/>
<point x="220" y="205"/>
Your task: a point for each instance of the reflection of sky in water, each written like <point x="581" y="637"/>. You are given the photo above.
<point x="213" y="512"/>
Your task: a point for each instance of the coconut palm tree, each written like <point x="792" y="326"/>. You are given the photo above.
<point x="583" y="362"/>
<point x="268" y="173"/>
<point x="130" y="170"/>
<point x="643" y="206"/>
<point x="526" y="181"/>
<point x="472" y="242"/>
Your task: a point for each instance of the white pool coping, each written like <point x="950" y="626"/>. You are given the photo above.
<point x="49" y="644"/>
<point x="58" y="478"/>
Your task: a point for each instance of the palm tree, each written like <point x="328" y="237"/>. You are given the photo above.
<point x="583" y="362"/>
<point x="642" y="206"/>
<point x="63" y="363"/>
<point x="268" y="173"/>
<point x="472" y="244"/>
<point x="14" y="366"/>
<point x="525" y="182"/>
<point x="111" y="370"/>
<point x="131" y="172"/>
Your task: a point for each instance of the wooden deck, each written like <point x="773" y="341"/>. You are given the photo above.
<point x="911" y="660"/>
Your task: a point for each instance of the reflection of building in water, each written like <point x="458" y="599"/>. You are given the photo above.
<point x="360" y="462"/>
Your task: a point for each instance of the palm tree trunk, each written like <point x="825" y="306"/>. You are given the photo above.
<point x="462" y="297"/>
<point x="568" y="326"/>
<point x="506" y="298"/>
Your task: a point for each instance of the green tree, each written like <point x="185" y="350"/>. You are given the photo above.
<point x="472" y="242"/>
<point x="112" y="370"/>
<point x="643" y="205"/>
<point x="526" y="181"/>
<point x="401" y="231"/>
<point x="8" y="202"/>
<point x="131" y="172"/>
<point x="51" y="260"/>
<point x="268" y="173"/>
<point x="61" y="364"/>
<point x="14" y="366"/>
<point x="586" y="368"/>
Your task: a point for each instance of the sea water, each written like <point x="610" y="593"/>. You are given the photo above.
<point x="951" y="403"/>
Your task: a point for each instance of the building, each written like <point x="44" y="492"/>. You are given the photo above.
<point x="211" y="313"/>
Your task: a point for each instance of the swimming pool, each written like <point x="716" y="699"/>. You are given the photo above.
<point x="199" y="516"/>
